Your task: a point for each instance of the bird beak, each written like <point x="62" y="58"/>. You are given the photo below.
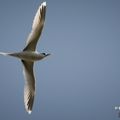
<point x="48" y="54"/>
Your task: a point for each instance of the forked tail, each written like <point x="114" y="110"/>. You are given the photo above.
<point x="5" y="54"/>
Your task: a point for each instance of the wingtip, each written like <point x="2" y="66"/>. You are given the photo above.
<point x="44" y="3"/>
<point x="29" y="112"/>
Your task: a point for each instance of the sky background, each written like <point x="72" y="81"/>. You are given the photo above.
<point x="81" y="79"/>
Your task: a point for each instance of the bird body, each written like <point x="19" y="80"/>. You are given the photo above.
<point x="29" y="55"/>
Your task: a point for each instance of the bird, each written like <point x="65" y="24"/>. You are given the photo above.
<point x="29" y="55"/>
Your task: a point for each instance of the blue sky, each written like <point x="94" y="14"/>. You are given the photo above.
<point x="81" y="79"/>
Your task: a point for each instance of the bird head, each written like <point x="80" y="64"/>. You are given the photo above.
<point x="44" y="55"/>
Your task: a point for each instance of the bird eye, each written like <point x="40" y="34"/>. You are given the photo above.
<point x="43" y="53"/>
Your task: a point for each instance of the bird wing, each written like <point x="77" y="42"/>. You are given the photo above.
<point x="37" y="27"/>
<point x="29" y="90"/>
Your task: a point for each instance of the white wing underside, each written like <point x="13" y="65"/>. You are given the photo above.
<point x="37" y="27"/>
<point x="29" y="89"/>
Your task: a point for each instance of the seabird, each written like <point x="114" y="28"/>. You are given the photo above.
<point x="29" y="55"/>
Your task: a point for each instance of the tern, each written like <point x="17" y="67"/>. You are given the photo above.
<point x="29" y="55"/>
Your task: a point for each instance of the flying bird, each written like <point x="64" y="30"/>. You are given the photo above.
<point x="29" y="55"/>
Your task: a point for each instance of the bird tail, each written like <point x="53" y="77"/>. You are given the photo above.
<point x="5" y="54"/>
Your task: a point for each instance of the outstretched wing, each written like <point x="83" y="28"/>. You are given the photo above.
<point x="37" y="27"/>
<point x="29" y="90"/>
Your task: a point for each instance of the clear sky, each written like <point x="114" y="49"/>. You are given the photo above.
<point x="81" y="79"/>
